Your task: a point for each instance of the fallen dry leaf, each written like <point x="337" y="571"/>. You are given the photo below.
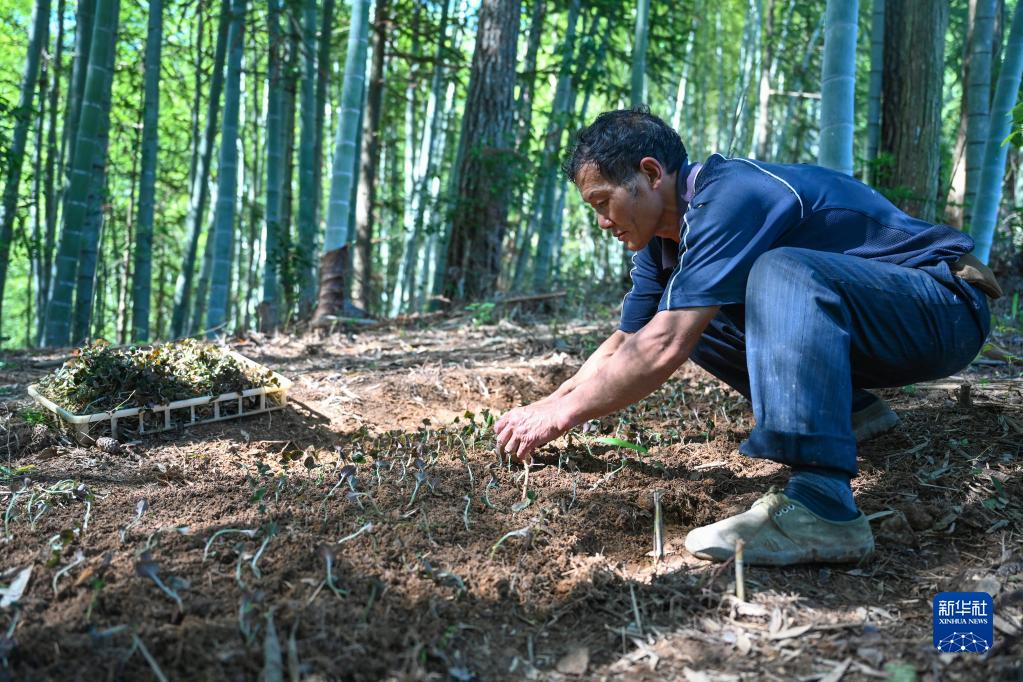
<point x="789" y="633"/>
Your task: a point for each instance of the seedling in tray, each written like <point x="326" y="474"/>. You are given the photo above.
<point x="127" y="392"/>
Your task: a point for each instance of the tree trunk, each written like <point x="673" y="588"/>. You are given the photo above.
<point x="874" y="97"/>
<point x="764" y="91"/>
<point x="677" y="115"/>
<point x="561" y="114"/>
<point x="748" y="63"/>
<point x="838" y="86"/>
<point x="527" y="78"/>
<point x="719" y="61"/>
<point x="227" y="178"/>
<point x="411" y="242"/>
<point x="638" y="93"/>
<point x="200" y="184"/>
<point x="33" y="242"/>
<point x="978" y="99"/>
<point x="269" y="308"/>
<point x="362" y="262"/>
<point x="911" y="115"/>
<point x="293" y="257"/>
<point x="90" y="149"/>
<point x="782" y="141"/>
<point x="85" y="20"/>
<point x="307" y="191"/>
<point x="98" y="206"/>
<point x="485" y="158"/>
<point x="332" y="298"/>
<point x="143" y="276"/>
<point x="989" y="189"/>
<point x="16" y="153"/>
<point x="53" y="167"/>
<point x="322" y="81"/>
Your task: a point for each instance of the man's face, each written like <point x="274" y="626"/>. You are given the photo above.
<point x="631" y="212"/>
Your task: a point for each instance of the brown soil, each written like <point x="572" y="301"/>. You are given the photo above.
<point x="450" y="581"/>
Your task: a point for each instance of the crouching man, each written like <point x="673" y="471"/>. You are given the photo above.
<point x="799" y="287"/>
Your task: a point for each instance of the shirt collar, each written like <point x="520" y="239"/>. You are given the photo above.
<point x="685" y="184"/>
<point x="685" y="189"/>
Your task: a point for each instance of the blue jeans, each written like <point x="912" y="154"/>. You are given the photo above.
<point x="818" y="327"/>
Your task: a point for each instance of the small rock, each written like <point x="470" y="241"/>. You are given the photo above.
<point x="109" y="445"/>
<point x="918" y="517"/>
<point x="575" y="662"/>
<point x="897" y="529"/>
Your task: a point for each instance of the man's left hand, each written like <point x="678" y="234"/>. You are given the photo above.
<point x="525" y="429"/>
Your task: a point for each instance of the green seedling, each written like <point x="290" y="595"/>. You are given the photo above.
<point x="147" y="568"/>
<point x="1000" y="500"/>
<point x="245" y="607"/>
<point x="522" y="504"/>
<point x="465" y="514"/>
<point x="493" y="483"/>
<point x="271" y="531"/>
<point x="153" y="665"/>
<point x="57" y="544"/>
<point x="9" y="474"/>
<point x="345" y="475"/>
<point x="619" y="443"/>
<point x="31" y="415"/>
<point x="79" y="558"/>
<point x="249" y="533"/>
<point x="96" y="585"/>
<point x="273" y="659"/>
<point x="294" y="668"/>
<point x="140" y="508"/>
<point x="367" y="527"/>
<point x="440" y="577"/>
<point x="327" y="554"/>
<point x="380" y="464"/>
<point x="520" y="533"/>
<point x="421" y="478"/>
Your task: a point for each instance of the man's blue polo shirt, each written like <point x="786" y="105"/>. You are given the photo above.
<point x="742" y="208"/>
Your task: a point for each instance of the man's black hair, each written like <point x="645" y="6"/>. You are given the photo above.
<point x="618" y="140"/>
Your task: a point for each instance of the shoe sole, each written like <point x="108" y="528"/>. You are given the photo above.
<point x="873" y="421"/>
<point x="784" y="558"/>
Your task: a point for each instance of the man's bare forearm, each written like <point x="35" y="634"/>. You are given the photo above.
<point x="597" y="359"/>
<point x="641" y="364"/>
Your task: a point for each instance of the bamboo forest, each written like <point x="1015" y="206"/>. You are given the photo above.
<point x="403" y="340"/>
<point x="257" y="166"/>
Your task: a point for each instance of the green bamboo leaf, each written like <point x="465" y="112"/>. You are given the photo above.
<point x="619" y="443"/>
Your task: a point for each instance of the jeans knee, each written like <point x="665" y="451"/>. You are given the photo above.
<point x="785" y="269"/>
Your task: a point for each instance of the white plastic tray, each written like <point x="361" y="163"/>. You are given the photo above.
<point x="180" y="413"/>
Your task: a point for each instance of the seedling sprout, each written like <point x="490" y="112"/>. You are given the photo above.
<point x="147" y="568"/>
<point x="79" y="558"/>
<point x="247" y="532"/>
<point x="365" y="529"/>
<point x="327" y="554"/>
<point x="273" y="661"/>
<point x="520" y="533"/>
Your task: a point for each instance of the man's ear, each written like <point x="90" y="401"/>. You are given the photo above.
<point x="653" y="170"/>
